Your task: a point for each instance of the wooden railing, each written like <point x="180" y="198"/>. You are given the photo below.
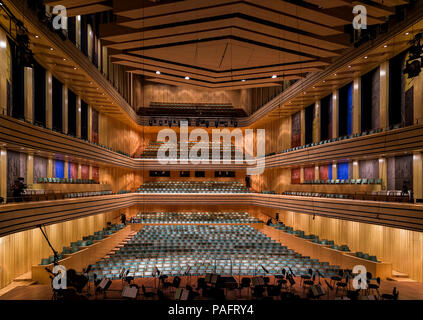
<point x="21" y="216"/>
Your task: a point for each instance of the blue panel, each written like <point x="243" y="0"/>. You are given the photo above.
<point x="350" y="109"/>
<point x="60" y="169"/>
<point x="342" y="170"/>
<point x="330" y="172"/>
<point x="69" y="170"/>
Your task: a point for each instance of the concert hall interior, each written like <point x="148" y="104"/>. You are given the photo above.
<point x="202" y="150"/>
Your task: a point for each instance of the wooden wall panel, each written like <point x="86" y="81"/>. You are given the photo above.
<point x="19" y="251"/>
<point x="118" y="136"/>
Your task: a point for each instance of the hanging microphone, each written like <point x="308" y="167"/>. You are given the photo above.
<point x="264" y="269"/>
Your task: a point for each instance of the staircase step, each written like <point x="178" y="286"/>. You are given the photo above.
<point x="398" y="279"/>
<point x="398" y="274"/>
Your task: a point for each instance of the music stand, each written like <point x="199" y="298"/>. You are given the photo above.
<point x="86" y="272"/>
<point x="187" y="274"/>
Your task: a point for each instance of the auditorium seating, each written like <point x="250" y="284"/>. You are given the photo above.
<point x="346" y="137"/>
<point x="86" y="241"/>
<point x="150" y="152"/>
<point x="194" y="217"/>
<point x="387" y="196"/>
<point x="301" y="234"/>
<point x="344" y="181"/>
<point x="191" y="109"/>
<point x="223" y="249"/>
<point x="193" y="187"/>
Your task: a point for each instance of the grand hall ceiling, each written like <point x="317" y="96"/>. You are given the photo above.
<point x="227" y="44"/>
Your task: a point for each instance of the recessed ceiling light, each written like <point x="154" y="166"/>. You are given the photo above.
<point x="407" y="33"/>
<point x="349" y="66"/>
<point x="186" y="78"/>
<point x="243" y="80"/>
<point x="334" y="74"/>
<point x="51" y="49"/>
<point x="324" y="81"/>
<point x="314" y="87"/>
<point x="74" y="68"/>
<point x="3" y="44"/>
<point x="365" y="57"/>
<point x="158" y="72"/>
<point x="274" y="76"/>
<point x="385" y="46"/>
<point x="64" y="59"/>
<point x="37" y="36"/>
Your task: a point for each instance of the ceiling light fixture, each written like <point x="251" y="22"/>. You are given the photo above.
<point x="186" y="78"/>
<point x="274" y="76"/>
<point x="158" y="72"/>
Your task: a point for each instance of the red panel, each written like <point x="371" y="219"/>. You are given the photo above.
<point x="324" y="172"/>
<point x="295" y="176"/>
<point x="85" y="173"/>
<point x="309" y="173"/>
<point x="96" y="174"/>
<point x="74" y="171"/>
<point x="296" y="141"/>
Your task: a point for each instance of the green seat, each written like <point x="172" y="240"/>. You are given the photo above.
<point x="44" y="262"/>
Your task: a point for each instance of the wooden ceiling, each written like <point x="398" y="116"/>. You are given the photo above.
<point x="228" y="44"/>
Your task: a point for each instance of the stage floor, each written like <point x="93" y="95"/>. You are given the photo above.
<point x="407" y="290"/>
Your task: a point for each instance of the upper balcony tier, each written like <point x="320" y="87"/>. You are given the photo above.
<point x="17" y="134"/>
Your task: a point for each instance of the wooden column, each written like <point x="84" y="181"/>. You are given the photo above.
<point x="334" y="171"/>
<point x="90" y="123"/>
<point x="50" y="165"/>
<point x="78" y="31"/>
<point x="79" y="171"/>
<point x="30" y="169"/>
<point x="384" y="95"/>
<point x="418" y="99"/>
<point x="302" y="175"/>
<point x="4" y="71"/>
<point x="78" y="117"/>
<point x="356" y="172"/>
<point x="29" y="94"/>
<point x="316" y="173"/>
<point x="66" y="168"/>
<point x="417" y="176"/>
<point x="356" y="105"/>
<point x="316" y="126"/>
<point x="383" y="172"/>
<point x="335" y="111"/>
<point x="49" y="100"/>
<point x="3" y="174"/>
<point x="303" y="128"/>
<point x="90" y="172"/>
<point x="65" y="109"/>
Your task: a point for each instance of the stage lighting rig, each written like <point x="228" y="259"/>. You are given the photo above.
<point x="414" y="61"/>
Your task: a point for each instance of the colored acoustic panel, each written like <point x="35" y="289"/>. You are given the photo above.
<point x="94" y="125"/>
<point x="330" y="175"/>
<point x="96" y="174"/>
<point x="296" y="130"/>
<point x="309" y="173"/>
<point x="368" y="169"/>
<point x="295" y="176"/>
<point x="324" y="172"/>
<point x="74" y="170"/>
<point x="40" y="168"/>
<point x="16" y="168"/>
<point x="85" y="174"/>
<point x="342" y="171"/>
<point x="59" y="166"/>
